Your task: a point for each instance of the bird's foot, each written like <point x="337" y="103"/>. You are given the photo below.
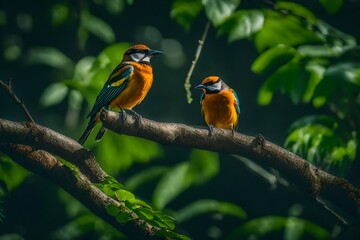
<point x="211" y="130"/>
<point x="123" y="116"/>
<point x="137" y="116"/>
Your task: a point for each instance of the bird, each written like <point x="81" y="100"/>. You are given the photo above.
<point x="126" y="87"/>
<point x="219" y="104"/>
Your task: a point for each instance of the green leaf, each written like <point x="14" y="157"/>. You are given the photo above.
<point x="260" y="227"/>
<point x="130" y="149"/>
<point x="136" y="203"/>
<point x="109" y="185"/>
<point x="209" y="206"/>
<point x="97" y="26"/>
<point x="273" y="58"/>
<point x="185" y="11"/>
<point x="334" y="36"/>
<point x="341" y="75"/>
<point x="203" y="165"/>
<point x="123" y="217"/>
<point x="124" y="195"/>
<point x="53" y="94"/>
<point x="11" y="236"/>
<point x="112" y="210"/>
<point x="287" y="30"/>
<point x="265" y="95"/>
<point x="316" y="69"/>
<point x="291" y="78"/>
<point x="321" y="50"/>
<point x="170" y="185"/>
<point x="114" y="6"/>
<point x="332" y="6"/>
<point x="144" y="177"/>
<point x="322" y="141"/>
<point x="85" y="225"/>
<point x="163" y="220"/>
<point x="144" y="213"/>
<point x="59" y="14"/>
<point x="297" y="9"/>
<point x="242" y="24"/>
<point x="218" y="10"/>
<point x="11" y="174"/>
<point x="82" y="69"/>
<point x="51" y="57"/>
<point x="170" y="235"/>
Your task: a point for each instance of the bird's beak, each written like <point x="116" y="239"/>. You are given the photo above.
<point x="154" y="52"/>
<point x="200" y="86"/>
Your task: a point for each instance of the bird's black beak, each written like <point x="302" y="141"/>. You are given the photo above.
<point x="154" y="52"/>
<point x="200" y="86"/>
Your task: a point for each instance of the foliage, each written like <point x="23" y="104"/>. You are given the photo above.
<point x="308" y="60"/>
<point x="207" y="206"/>
<point x="131" y="204"/>
<point x="11" y="174"/>
<point x="293" y="227"/>
<point x="299" y="55"/>
<point x="319" y="138"/>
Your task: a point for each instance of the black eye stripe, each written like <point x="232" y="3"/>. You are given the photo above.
<point x="132" y="51"/>
<point x="211" y="83"/>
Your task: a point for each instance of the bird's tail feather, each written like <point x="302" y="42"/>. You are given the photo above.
<point x="100" y="134"/>
<point x="87" y="132"/>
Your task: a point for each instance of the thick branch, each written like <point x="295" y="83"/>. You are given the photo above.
<point x="46" y="139"/>
<point x="307" y="177"/>
<point x="44" y="164"/>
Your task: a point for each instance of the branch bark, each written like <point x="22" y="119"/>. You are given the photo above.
<point x="30" y="145"/>
<point x="313" y="181"/>
<point x="78" y="185"/>
<point x="39" y="137"/>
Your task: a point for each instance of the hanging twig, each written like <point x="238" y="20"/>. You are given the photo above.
<point x="7" y="87"/>
<point x="187" y="83"/>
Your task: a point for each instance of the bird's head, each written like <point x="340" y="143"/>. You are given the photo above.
<point x="140" y="53"/>
<point x="212" y="84"/>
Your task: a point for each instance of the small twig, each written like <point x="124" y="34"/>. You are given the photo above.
<point x="7" y="87"/>
<point x="187" y="83"/>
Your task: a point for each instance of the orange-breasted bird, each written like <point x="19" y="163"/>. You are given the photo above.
<point x="219" y="104"/>
<point x="125" y="88"/>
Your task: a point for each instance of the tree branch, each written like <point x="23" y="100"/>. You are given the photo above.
<point x="201" y="42"/>
<point x="78" y="185"/>
<point x="43" y="138"/>
<point x="307" y="177"/>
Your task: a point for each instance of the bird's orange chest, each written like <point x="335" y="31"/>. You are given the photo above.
<point x="137" y="87"/>
<point x="219" y="109"/>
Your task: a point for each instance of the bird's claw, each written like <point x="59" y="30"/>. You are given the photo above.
<point x="211" y="130"/>
<point x="137" y="116"/>
<point x="123" y="116"/>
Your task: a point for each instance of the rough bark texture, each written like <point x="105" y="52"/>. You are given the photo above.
<point x="310" y="179"/>
<point x="30" y="145"/>
<point x="34" y="147"/>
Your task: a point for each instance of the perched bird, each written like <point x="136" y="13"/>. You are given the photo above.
<point x="219" y="104"/>
<point x="125" y="88"/>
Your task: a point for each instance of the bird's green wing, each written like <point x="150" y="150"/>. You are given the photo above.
<point x="237" y="105"/>
<point x="201" y="100"/>
<point x="113" y="87"/>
